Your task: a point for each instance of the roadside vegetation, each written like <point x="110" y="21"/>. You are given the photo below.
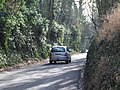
<point x="28" y="29"/>
<point x="102" y="71"/>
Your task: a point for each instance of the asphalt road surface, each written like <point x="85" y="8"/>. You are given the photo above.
<point x="47" y="76"/>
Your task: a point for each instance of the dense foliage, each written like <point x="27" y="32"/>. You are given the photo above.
<point x="28" y="28"/>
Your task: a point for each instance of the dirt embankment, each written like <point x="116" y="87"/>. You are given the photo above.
<point x="102" y="70"/>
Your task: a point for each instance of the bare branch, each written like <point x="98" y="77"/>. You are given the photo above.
<point x="91" y="15"/>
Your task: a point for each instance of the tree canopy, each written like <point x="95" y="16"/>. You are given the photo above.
<point x="28" y="28"/>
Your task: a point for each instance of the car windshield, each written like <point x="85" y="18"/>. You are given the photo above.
<point x="58" y="49"/>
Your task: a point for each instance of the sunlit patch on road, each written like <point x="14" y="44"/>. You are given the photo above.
<point x="45" y="77"/>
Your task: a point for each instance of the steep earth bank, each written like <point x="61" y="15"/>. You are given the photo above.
<point x="102" y="71"/>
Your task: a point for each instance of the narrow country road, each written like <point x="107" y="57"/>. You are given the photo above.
<point x="58" y="76"/>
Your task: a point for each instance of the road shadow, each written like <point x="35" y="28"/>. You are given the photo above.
<point x="57" y="63"/>
<point x="56" y="81"/>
